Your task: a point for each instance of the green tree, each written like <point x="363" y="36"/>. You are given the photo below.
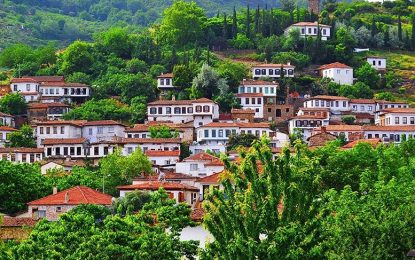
<point x="208" y="83"/>
<point x="357" y="90"/>
<point x="16" y="54"/>
<point x="176" y="20"/>
<point x="368" y="75"/>
<point x="13" y="103"/>
<point x="244" y="140"/>
<point x="385" y="96"/>
<point x="20" y="184"/>
<point x="21" y="138"/>
<point x="78" y="57"/>
<point x="131" y="203"/>
<point x="116" y="40"/>
<point x="348" y="120"/>
<point x="162" y="131"/>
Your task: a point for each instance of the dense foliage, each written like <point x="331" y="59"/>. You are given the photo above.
<point x="323" y="203"/>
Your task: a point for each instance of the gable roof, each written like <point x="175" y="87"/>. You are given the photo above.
<point x="152" y="153"/>
<point x="214" y="178"/>
<point x="373" y="142"/>
<point x="310" y="24"/>
<point x="166" y="75"/>
<point x="327" y="97"/>
<point x="7" y="128"/>
<point x="155" y="185"/>
<point x="273" y="65"/>
<point x="334" y="65"/>
<point x="399" y="110"/>
<point x="53" y="141"/>
<point x="75" y="196"/>
<point x="258" y="82"/>
<point x="20" y="150"/>
<point x="203" y="156"/>
<point x="102" y="122"/>
<point x="237" y="124"/>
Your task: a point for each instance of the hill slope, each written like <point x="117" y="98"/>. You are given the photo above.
<point x="35" y="22"/>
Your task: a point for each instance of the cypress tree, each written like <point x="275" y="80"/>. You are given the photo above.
<point x="234" y="24"/>
<point x="256" y="28"/>
<point x="225" y="25"/>
<point x="297" y="12"/>
<point x="248" y="23"/>
<point x="386" y="38"/>
<point x="413" y="31"/>
<point x="399" y="28"/>
<point x="272" y="22"/>
<point x="373" y="28"/>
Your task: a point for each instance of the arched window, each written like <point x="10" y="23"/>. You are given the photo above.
<point x="177" y="110"/>
<point x="206" y="108"/>
<point x="198" y="108"/>
<point x="153" y="110"/>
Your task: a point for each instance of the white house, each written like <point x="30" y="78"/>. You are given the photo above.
<point x="21" y="155"/>
<point x="178" y="191"/>
<point x="165" y="84"/>
<point x="254" y="94"/>
<point x="65" y="147"/>
<point x="383" y="104"/>
<point x="378" y="63"/>
<point x="200" y="111"/>
<point x="200" y="165"/>
<point x="27" y="87"/>
<point x="351" y="132"/>
<point x="96" y="131"/>
<point x="395" y="116"/>
<point x="4" y="132"/>
<point x="338" y="72"/>
<point x="274" y="71"/>
<point x="162" y="158"/>
<point x="62" y="164"/>
<point x="58" y="129"/>
<point x="7" y="120"/>
<point x="336" y="104"/>
<point x="219" y="132"/>
<point x="308" y="119"/>
<point x="64" y="91"/>
<point x="362" y="105"/>
<point x="390" y="133"/>
<point x="309" y="29"/>
<point x="145" y="144"/>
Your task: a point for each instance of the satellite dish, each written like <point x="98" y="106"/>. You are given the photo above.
<point x="162" y="176"/>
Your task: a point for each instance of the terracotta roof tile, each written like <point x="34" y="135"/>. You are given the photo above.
<point x="102" y="122"/>
<point x="399" y="110"/>
<point x="258" y="82"/>
<point x="390" y="128"/>
<point x="150" y="140"/>
<point x="75" y="196"/>
<point x="7" y="128"/>
<point x="5" y="115"/>
<point x="20" y="150"/>
<point x="343" y="128"/>
<point x="242" y="111"/>
<point x="249" y="95"/>
<point x="238" y="124"/>
<point x="151" y="153"/>
<point x="166" y="75"/>
<point x="214" y="178"/>
<point x="363" y="101"/>
<point x="46" y="105"/>
<point x="18" y="222"/>
<point x="201" y="157"/>
<point x="77" y="123"/>
<point x="155" y="185"/>
<point x="53" y="141"/>
<point x="325" y="97"/>
<point x="273" y="65"/>
<point x="197" y="214"/>
<point x="372" y="142"/>
<point x="334" y="65"/>
<point x="310" y="24"/>
<point x="48" y="78"/>
<point x="63" y="84"/>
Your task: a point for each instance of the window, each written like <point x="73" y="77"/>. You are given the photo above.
<point x="111" y="129"/>
<point x="248" y="90"/>
<point x="271" y="72"/>
<point x="100" y="130"/>
<point x="96" y="150"/>
<point x="72" y="151"/>
<point x="302" y="31"/>
<point x="374" y="63"/>
<point x="257" y="72"/>
<point x="78" y="150"/>
<point x="48" y="130"/>
<point x="220" y="133"/>
<point x="190" y="110"/>
<point x="206" y="133"/>
<point x="41" y="130"/>
<point x="266" y="90"/>
<point x="315" y="30"/>
<point x="369" y="108"/>
<point x="183" y="110"/>
<point x="396" y="120"/>
<point x="52" y="91"/>
<point x="65" y="150"/>
<point x="58" y="151"/>
<point x="90" y="131"/>
<point x="41" y="213"/>
<point x="264" y="72"/>
<point x="161" y="82"/>
<point x="58" y="209"/>
<point x="227" y="133"/>
<point x="272" y="90"/>
<point x="259" y="101"/>
<point x="277" y="72"/>
<point x="206" y="108"/>
<point x="338" y="71"/>
<point x="269" y="110"/>
<point x="177" y="110"/>
<point x="344" y="104"/>
<point x="253" y="101"/>
<point x="337" y="103"/>
<point x="199" y="108"/>
<point x="167" y="82"/>
<point x="193" y="167"/>
<point x="160" y="110"/>
<point x="213" y="133"/>
<point x="290" y="72"/>
<point x="379" y="63"/>
<point x="309" y="30"/>
<point x="153" y="110"/>
<point x="404" y="120"/>
<point x="168" y="110"/>
<point x="55" y="130"/>
<point x="354" y="107"/>
<point x="362" y="108"/>
<point x="412" y="120"/>
<point x="324" y="31"/>
<point x="27" y="87"/>
<point x="246" y="101"/>
<point x="15" y="88"/>
<point x="62" y="130"/>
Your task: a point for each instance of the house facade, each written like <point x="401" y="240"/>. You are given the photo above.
<point x="21" y="155"/>
<point x="4" y="133"/>
<point x="163" y="158"/>
<point x="46" y="111"/>
<point x="308" y="119"/>
<point x="338" y="72"/>
<point x="273" y="71"/>
<point x="200" y="165"/>
<point x="379" y="63"/>
<point x="395" y="116"/>
<point x="27" y="87"/>
<point x="310" y="29"/>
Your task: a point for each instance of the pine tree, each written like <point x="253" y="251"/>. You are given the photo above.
<point x="256" y="28"/>
<point x="374" y="29"/>
<point x="386" y="38"/>
<point x="248" y="23"/>
<point x="234" y="24"/>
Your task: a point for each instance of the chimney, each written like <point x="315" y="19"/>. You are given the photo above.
<point x="173" y="98"/>
<point x="66" y="198"/>
<point x="289" y="63"/>
<point x="55" y="190"/>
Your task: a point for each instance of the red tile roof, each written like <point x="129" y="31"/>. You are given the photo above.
<point x="310" y="24"/>
<point x="242" y="111"/>
<point x="399" y="110"/>
<point x="273" y="65"/>
<point x="155" y="185"/>
<point x="48" y="78"/>
<point x="78" y="123"/>
<point x="214" y="178"/>
<point x="151" y="153"/>
<point x="18" y="222"/>
<point x="202" y="100"/>
<point x="7" y="128"/>
<point x="238" y="124"/>
<point x="250" y="95"/>
<point x="258" y="82"/>
<point x="150" y="140"/>
<point x="363" y="101"/>
<point x="342" y="128"/>
<point x="75" y="196"/>
<point x="53" y="141"/>
<point x="20" y="150"/>
<point x="63" y="84"/>
<point x="197" y="214"/>
<point x="390" y="128"/>
<point x="325" y="97"/>
<point x="309" y="117"/>
<point x="102" y="122"/>
<point x="166" y="75"/>
<point x="335" y="65"/>
<point x="201" y="157"/>
<point x="225" y="117"/>
<point x="169" y="175"/>
<point x="23" y="80"/>
<point x="46" y="105"/>
<point x="373" y="142"/>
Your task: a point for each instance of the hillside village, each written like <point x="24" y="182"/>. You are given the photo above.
<point x="194" y="122"/>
